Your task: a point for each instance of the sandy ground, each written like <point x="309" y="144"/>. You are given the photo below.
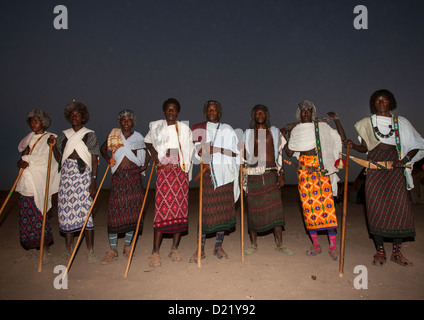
<point x="266" y="275"/>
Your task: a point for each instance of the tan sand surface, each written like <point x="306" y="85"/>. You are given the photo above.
<point x="266" y="275"/>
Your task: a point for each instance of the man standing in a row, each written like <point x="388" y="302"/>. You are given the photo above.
<point x="389" y="138"/>
<point x="170" y="144"/>
<point x="127" y="161"/>
<point x="265" y="174"/>
<point x="317" y="147"/>
<point x="217" y="143"/>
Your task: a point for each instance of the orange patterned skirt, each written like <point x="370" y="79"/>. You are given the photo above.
<point x="316" y="196"/>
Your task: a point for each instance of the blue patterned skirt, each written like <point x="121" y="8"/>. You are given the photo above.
<point x="74" y="199"/>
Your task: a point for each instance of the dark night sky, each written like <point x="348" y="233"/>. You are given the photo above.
<point x="135" y="54"/>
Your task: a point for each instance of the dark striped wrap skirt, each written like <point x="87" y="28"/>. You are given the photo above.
<point x="388" y="205"/>
<point x="218" y="208"/>
<point x="265" y="206"/>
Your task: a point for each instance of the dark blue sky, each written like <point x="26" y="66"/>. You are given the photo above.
<point x="135" y="54"/>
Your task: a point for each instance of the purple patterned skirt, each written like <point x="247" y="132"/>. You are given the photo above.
<point x="31" y="223"/>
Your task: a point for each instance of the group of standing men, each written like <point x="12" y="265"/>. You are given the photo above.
<point x="172" y="146"/>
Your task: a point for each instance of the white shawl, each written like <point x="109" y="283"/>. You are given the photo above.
<point x="158" y="136"/>
<point x="279" y="143"/>
<point x="25" y="141"/>
<point x="226" y="168"/>
<point x="134" y="142"/>
<point x="302" y="138"/>
<point x="75" y="143"/>
<point x="410" y="139"/>
<point x="33" y="180"/>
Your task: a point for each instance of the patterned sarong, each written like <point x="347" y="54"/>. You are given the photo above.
<point x="388" y="206"/>
<point x="126" y="200"/>
<point x="316" y="196"/>
<point x="218" y="210"/>
<point x="265" y="207"/>
<point x="31" y="224"/>
<point x="74" y="199"/>
<point x="171" y="201"/>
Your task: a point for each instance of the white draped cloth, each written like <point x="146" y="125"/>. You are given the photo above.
<point x="134" y="142"/>
<point x="302" y="138"/>
<point x="164" y="137"/>
<point x="278" y="139"/>
<point x="410" y="139"/>
<point x="33" y="180"/>
<point x="225" y="167"/>
<point x="76" y="143"/>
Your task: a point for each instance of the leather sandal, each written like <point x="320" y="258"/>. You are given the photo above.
<point x="333" y="254"/>
<point x="220" y="253"/>
<point x="315" y="250"/>
<point x="155" y="260"/>
<point x="379" y="258"/>
<point x="193" y="258"/>
<point x="251" y="250"/>
<point x="111" y="255"/>
<point x="127" y="251"/>
<point x="175" y="255"/>
<point x="400" y="259"/>
<point x="284" y="250"/>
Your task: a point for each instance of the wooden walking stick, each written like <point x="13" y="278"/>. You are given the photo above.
<point x="138" y="223"/>
<point x="345" y="198"/>
<point x="242" y="205"/>
<point x="46" y="199"/>
<point x="199" y="244"/>
<point x="11" y="190"/>
<point x="83" y="227"/>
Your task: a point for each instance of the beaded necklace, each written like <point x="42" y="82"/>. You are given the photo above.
<point x="393" y="130"/>
<point x="381" y="135"/>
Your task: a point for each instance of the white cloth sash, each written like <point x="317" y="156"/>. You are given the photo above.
<point x="75" y="143"/>
<point x="134" y="142"/>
